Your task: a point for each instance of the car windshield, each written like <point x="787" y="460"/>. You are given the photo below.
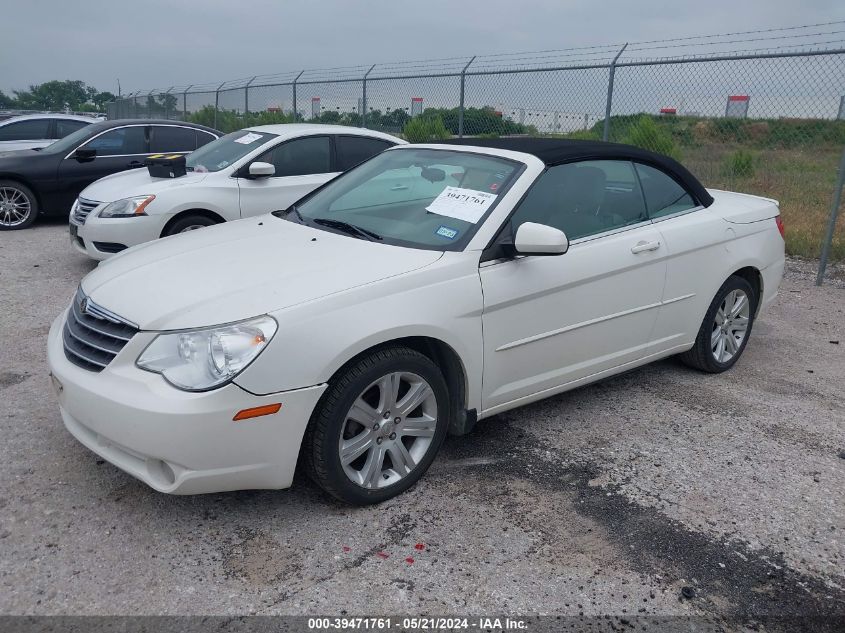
<point x="422" y="198"/>
<point x="74" y="139"/>
<point x="226" y="150"/>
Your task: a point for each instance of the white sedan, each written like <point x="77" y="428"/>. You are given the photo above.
<point x="242" y="174"/>
<point x="33" y="131"/>
<point x="429" y="287"/>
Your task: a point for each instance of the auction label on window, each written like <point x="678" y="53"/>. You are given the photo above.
<point x="249" y="137"/>
<point x="465" y="204"/>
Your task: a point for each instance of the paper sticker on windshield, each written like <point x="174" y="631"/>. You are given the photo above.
<point x="465" y="204"/>
<point x="447" y="232"/>
<point x="249" y="137"/>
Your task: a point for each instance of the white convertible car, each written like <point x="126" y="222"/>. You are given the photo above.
<point x="245" y="173"/>
<point x="425" y="289"/>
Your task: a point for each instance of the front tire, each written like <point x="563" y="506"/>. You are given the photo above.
<point x="18" y="206"/>
<point x="190" y="222"/>
<point x="726" y="328"/>
<point x="378" y="427"/>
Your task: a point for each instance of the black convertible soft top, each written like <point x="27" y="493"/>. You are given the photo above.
<point x="553" y="151"/>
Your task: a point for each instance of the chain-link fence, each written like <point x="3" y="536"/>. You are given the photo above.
<point x="767" y="121"/>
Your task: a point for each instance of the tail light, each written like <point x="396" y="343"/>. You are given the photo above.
<point x="779" y="221"/>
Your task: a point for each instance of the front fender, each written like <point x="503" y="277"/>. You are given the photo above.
<point x="442" y="302"/>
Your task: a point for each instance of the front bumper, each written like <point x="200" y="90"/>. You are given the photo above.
<point x="174" y="441"/>
<point x="125" y="231"/>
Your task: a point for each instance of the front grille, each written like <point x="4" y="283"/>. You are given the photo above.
<point x="84" y="206"/>
<point x="92" y="335"/>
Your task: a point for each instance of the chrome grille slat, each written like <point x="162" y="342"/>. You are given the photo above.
<point x="84" y="206"/>
<point x="88" y="360"/>
<point x="101" y="341"/>
<point x="87" y="323"/>
<point x="93" y="338"/>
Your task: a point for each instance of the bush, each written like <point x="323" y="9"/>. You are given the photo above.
<point x="645" y="133"/>
<point x="230" y="120"/>
<point x="423" y="129"/>
<point x="739" y="164"/>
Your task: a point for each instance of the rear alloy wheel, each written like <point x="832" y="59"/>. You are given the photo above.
<point x="378" y="427"/>
<point x="189" y="223"/>
<point x="726" y="327"/>
<point x="18" y="206"/>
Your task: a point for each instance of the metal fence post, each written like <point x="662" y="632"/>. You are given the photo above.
<point x="246" y="95"/>
<point x="150" y="102"/>
<point x="461" y="105"/>
<point x="295" y="112"/>
<point x="185" y="103"/>
<point x="609" y="103"/>
<point x="831" y="226"/>
<point x="364" y="97"/>
<point x="167" y="103"/>
<point x="217" y="102"/>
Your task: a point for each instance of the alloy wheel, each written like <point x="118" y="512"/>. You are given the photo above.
<point x="730" y="326"/>
<point x="14" y="207"/>
<point x="388" y="430"/>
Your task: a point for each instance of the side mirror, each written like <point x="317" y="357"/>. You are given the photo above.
<point x="540" y="239"/>
<point x="84" y="155"/>
<point x="261" y="170"/>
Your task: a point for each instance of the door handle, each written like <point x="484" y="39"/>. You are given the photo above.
<point x="135" y="163"/>
<point x="642" y="247"/>
<point x="398" y="187"/>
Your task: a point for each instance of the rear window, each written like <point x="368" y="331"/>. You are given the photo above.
<point x="169" y="138"/>
<point x="663" y="195"/>
<point x="352" y="150"/>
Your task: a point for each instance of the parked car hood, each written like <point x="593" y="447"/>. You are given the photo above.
<point x="16" y="154"/>
<point x="238" y="270"/>
<point x="135" y="182"/>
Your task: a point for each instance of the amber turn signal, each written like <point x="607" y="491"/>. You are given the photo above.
<point x="257" y="412"/>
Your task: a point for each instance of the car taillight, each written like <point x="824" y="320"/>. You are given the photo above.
<point x="781" y="228"/>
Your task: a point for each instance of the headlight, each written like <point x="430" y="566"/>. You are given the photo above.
<point x="126" y="208"/>
<point x="200" y="360"/>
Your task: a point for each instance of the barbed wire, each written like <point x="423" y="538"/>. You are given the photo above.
<point x="598" y="55"/>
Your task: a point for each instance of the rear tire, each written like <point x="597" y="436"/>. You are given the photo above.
<point x="189" y="222"/>
<point x="726" y="328"/>
<point x="18" y="206"/>
<point x="378" y="426"/>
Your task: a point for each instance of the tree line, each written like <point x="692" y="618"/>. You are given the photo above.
<point x="57" y="96"/>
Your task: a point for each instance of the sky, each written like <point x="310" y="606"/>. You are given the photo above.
<point x="156" y="44"/>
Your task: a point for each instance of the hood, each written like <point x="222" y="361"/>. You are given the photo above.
<point x="135" y="182"/>
<point x="238" y="270"/>
<point x="17" y="154"/>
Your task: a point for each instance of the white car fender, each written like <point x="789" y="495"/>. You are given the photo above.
<point x="442" y="301"/>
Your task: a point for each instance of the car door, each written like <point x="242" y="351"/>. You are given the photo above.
<point x="553" y="320"/>
<point x="694" y="240"/>
<point x="118" y="149"/>
<point x="302" y="164"/>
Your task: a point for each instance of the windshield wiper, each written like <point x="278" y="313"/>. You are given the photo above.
<point x="348" y="228"/>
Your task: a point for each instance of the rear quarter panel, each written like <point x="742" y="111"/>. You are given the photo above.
<point x="704" y="250"/>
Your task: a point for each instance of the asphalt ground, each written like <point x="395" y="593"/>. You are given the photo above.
<point x="660" y="492"/>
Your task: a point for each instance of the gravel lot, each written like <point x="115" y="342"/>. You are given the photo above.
<point x="606" y="500"/>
